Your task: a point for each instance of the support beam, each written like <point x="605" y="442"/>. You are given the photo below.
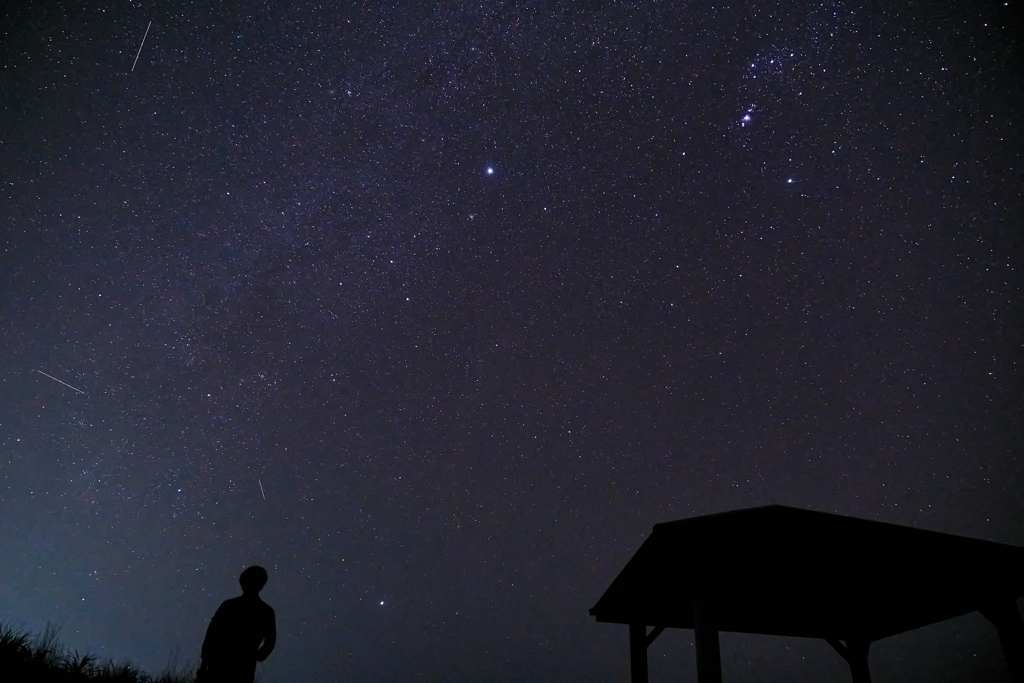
<point x="839" y="647"/>
<point x="638" y="653"/>
<point x="705" y="637"/>
<point x="1006" y="618"/>
<point x="655" y="632"/>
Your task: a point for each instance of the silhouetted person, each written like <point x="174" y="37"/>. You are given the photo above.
<point x="241" y="633"/>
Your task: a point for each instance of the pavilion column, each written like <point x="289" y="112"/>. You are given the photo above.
<point x="855" y="652"/>
<point x="1006" y="618"/>
<point x="638" y="653"/>
<point x="705" y="637"/>
<point x="858" y="659"/>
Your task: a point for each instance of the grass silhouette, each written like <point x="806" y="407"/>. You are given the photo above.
<point x="25" y="658"/>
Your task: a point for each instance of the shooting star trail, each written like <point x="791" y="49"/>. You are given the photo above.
<point x="57" y="380"/>
<point x="140" y="45"/>
<point x="261" y="489"/>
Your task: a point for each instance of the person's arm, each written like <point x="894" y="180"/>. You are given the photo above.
<point x="210" y="642"/>
<point x="269" y="639"/>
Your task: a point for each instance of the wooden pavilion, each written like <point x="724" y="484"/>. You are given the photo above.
<point x="783" y="571"/>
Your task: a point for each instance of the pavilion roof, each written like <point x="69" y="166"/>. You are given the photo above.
<point x="784" y="571"/>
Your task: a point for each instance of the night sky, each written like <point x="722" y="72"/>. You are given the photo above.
<point x="435" y="309"/>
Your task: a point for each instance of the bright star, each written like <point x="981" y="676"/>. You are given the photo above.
<point x="490" y="171"/>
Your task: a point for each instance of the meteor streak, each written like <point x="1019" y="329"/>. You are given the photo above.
<point x="57" y="380"/>
<point x="140" y="45"/>
<point x="261" y="489"/>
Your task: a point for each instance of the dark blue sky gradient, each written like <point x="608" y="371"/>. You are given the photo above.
<point x="729" y="255"/>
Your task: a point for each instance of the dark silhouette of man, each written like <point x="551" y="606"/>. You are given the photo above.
<point x="241" y="633"/>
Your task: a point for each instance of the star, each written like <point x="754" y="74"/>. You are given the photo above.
<point x="490" y="170"/>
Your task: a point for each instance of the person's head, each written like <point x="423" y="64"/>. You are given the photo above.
<point x="253" y="579"/>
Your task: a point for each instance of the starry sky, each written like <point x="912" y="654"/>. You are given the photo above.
<point x="435" y="309"/>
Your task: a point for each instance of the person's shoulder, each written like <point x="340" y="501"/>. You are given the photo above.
<point x="230" y="603"/>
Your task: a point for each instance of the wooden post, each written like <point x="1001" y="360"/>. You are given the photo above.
<point x="705" y="638"/>
<point x="858" y="653"/>
<point x="1006" y="618"/>
<point x="638" y="653"/>
<point x="855" y="652"/>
